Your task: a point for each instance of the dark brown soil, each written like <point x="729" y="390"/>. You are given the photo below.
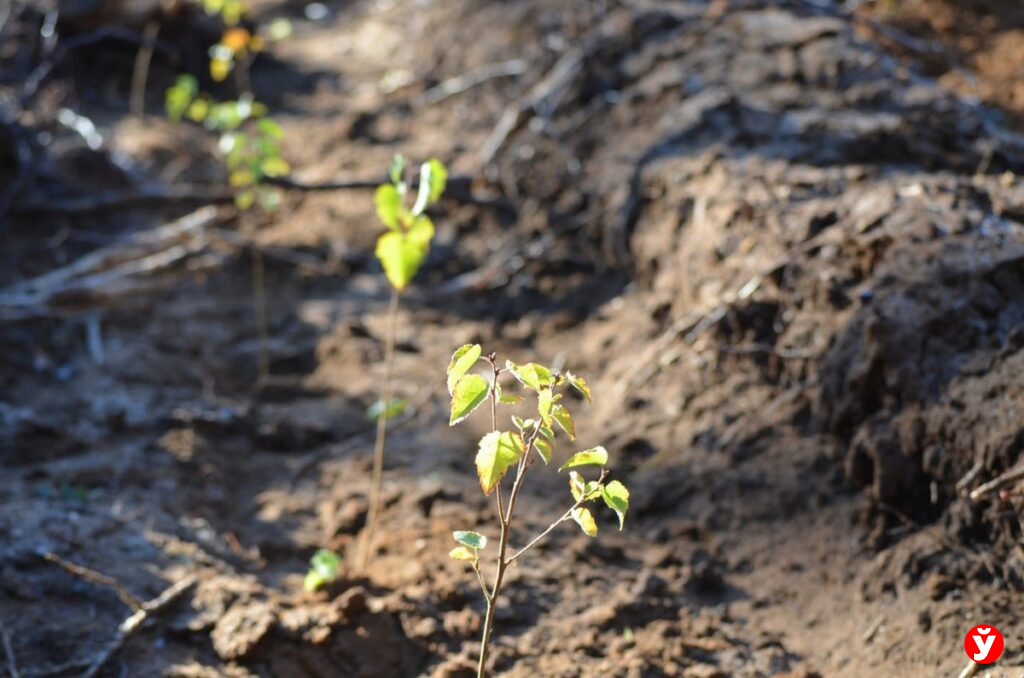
<point x="790" y="263"/>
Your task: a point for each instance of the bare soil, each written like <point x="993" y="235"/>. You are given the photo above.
<point x="790" y="262"/>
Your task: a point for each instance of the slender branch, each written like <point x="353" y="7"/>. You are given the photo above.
<point x="1011" y="476"/>
<point x="98" y="578"/>
<point x="552" y="526"/>
<point x="483" y="584"/>
<point x="382" y="430"/>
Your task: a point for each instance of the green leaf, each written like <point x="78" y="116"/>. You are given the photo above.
<point x="462" y="361"/>
<point x="498" y="451"/>
<point x="531" y="375"/>
<point x="580" y="384"/>
<point x="545" y="401"/>
<point x="271" y="128"/>
<point x="564" y="419"/>
<point x="323" y="569"/>
<point x="389" y="205"/>
<point x="543" y="448"/>
<point x="473" y="540"/>
<point x="616" y="497"/>
<point x="400" y="256"/>
<point x="595" y="456"/>
<point x="462" y="553"/>
<point x="469" y="392"/>
<point x="585" y="520"/>
<point x="547" y="433"/>
<point x="395" y="407"/>
<point x="581" y="489"/>
<point x="421" y="231"/>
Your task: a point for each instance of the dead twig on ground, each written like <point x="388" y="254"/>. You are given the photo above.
<point x="94" y="577"/>
<point x="474" y="78"/>
<point x="113" y="200"/>
<point x="12" y="662"/>
<point x="140" y="72"/>
<point x="135" y="621"/>
<point x="1008" y="478"/>
<point x="120" y="271"/>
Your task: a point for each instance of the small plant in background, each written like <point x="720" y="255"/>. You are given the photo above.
<point x="323" y="569"/>
<point x="531" y="439"/>
<point x="249" y="141"/>
<point x="401" y="250"/>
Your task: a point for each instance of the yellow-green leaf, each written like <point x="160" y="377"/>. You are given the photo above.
<point x="498" y="451"/>
<point x="462" y="553"/>
<point x="531" y="375"/>
<point x="564" y="419"/>
<point x="421" y="231"/>
<point x="462" y="361"/>
<point x="400" y="256"/>
<point x="580" y="384"/>
<point x="616" y="497"/>
<point x="543" y="448"/>
<point x="275" y="167"/>
<point x="506" y="399"/>
<point x="545" y="400"/>
<point x="473" y="540"/>
<point x="595" y="456"/>
<point x="395" y="407"/>
<point x="467" y="395"/>
<point x="585" y="520"/>
<point x="389" y="205"/>
<point x="433" y="178"/>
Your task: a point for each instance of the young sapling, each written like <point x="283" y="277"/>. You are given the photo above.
<point x="401" y="250"/>
<point x="530" y="439"/>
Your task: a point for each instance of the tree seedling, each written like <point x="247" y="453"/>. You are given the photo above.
<point x="401" y="250"/>
<point x="249" y="141"/>
<point x="527" y="441"/>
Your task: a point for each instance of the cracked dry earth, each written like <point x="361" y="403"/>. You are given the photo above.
<point x="790" y="265"/>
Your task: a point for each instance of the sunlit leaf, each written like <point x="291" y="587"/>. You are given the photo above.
<point x="245" y="199"/>
<point x="585" y="520"/>
<point x="401" y="256"/>
<point x="473" y="540"/>
<point x="545" y="400"/>
<point x="498" y="451"/>
<point x="462" y="553"/>
<point x="469" y="392"/>
<point x="275" y="167"/>
<point x="323" y="569"/>
<point x="241" y="178"/>
<point x="543" y="448"/>
<point x="421" y="231"/>
<point x="531" y="375"/>
<point x="389" y="205"/>
<point x="616" y="497"/>
<point x="462" y="361"/>
<point x="564" y="419"/>
<point x="580" y="384"/>
<point x="279" y="29"/>
<point x="395" y="407"/>
<point x="595" y="456"/>
<point x="220" y="68"/>
<point x="271" y="128"/>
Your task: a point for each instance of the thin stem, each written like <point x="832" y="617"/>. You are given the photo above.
<point x="140" y="73"/>
<point x="480" y="578"/>
<point x="377" y="480"/>
<point x="552" y="526"/>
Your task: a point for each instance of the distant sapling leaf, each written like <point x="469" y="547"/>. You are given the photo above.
<point x="500" y="451"/>
<point x="323" y="569"/>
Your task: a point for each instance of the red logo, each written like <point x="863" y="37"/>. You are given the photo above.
<point x="983" y="644"/>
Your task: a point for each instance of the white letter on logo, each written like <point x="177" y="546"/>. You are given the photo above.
<point x="983" y="647"/>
